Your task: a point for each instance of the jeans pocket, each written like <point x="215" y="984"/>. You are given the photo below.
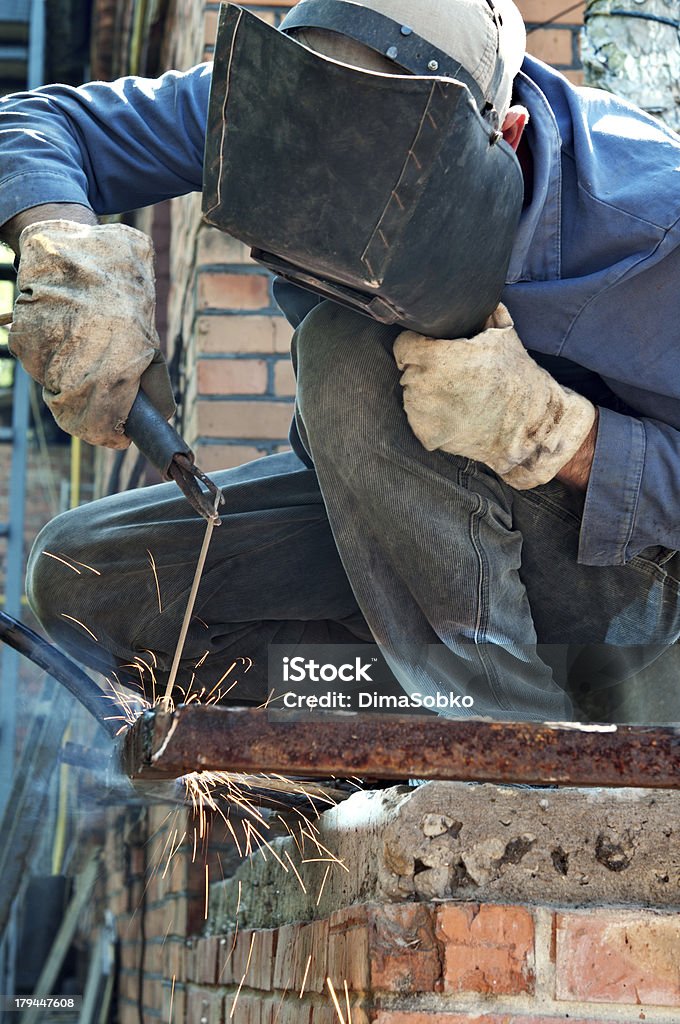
<point x="657" y="555"/>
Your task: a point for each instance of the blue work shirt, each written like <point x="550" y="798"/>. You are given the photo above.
<point x="593" y="283"/>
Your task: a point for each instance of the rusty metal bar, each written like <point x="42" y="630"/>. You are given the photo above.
<point x="211" y="738"/>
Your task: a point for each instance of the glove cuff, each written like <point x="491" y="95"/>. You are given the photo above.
<point x="558" y="445"/>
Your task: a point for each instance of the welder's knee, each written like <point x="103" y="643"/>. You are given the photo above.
<point x="347" y="376"/>
<point x="50" y="575"/>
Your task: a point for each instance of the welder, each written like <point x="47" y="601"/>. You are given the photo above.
<point x="496" y="509"/>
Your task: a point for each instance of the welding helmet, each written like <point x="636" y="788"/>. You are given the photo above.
<point x="373" y="173"/>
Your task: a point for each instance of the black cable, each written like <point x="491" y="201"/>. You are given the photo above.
<point x="61" y="668"/>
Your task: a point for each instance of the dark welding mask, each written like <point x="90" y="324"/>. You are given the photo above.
<point x="392" y="193"/>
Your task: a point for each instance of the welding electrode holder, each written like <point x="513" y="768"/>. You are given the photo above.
<point x="148" y="429"/>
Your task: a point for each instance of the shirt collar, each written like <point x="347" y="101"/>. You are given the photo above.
<point x="537" y="247"/>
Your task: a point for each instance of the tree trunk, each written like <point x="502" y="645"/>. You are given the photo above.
<point x="632" y="48"/>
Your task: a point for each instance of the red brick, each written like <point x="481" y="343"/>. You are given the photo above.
<point x="286" y="961"/>
<point x="225" y="948"/>
<point x="554" y="46"/>
<point x="129" y="986"/>
<point x="128" y="1013"/>
<point x="205" y="960"/>
<point x="153" y="993"/>
<point x="175" y="960"/>
<point x="217" y="247"/>
<point x="348" y="942"/>
<point x="619" y="957"/>
<point x="487" y="948"/>
<point x="313" y="940"/>
<point x="170" y="918"/>
<point x="269" y="420"/>
<point x="130" y="927"/>
<point x="219" y="290"/>
<point x="232" y="376"/>
<point x="404" y="952"/>
<point x="250" y="1009"/>
<point x="539" y="11"/>
<point x="130" y="955"/>
<point x="261" y="972"/>
<point x="244" y="334"/>
<point x="284" y="377"/>
<point x="205" y="1006"/>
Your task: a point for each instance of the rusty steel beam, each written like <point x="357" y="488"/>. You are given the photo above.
<point x="212" y="738"/>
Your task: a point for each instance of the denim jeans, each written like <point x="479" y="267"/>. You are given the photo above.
<point x="467" y="585"/>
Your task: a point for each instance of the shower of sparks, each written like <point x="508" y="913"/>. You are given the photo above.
<point x="207" y="890"/>
<point x="304" y="977"/>
<point x="240" y="986"/>
<point x="335" y="1001"/>
<point x="152" y="562"/>
<point x="81" y="624"/>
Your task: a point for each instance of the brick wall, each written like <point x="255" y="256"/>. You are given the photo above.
<point x="257" y="948"/>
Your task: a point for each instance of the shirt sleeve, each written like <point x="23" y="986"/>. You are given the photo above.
<point x="112" y="146"/>
<point x="633" y="495"/>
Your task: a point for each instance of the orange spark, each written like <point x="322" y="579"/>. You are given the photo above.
<point x="240" y="986"/>
<point x="62" y="560"/>
<point x="297" y="873"/>
<point x="335" y="1001"/>
<point x="81" y="624"/>
<point x="172" y="998"/>
<point x="318" y="898"/>
<point x="201" y="659"/>
<point x="83" y="564"/>
<point x="152" y="562"/>
<point x="304" y="979"/>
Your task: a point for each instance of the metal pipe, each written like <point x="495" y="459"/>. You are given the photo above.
<point x="213" y="738"/>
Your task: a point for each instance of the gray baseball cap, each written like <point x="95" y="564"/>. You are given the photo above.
<point x="485" y="38"/>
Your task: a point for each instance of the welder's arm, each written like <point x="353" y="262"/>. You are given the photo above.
<point x="84" y="320"/>
<point x="486" y="399"/>
<point x="107" y="146"/>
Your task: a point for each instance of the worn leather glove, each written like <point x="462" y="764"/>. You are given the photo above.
<point x="486" y="399"/>
<point x="84" y="328"/>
